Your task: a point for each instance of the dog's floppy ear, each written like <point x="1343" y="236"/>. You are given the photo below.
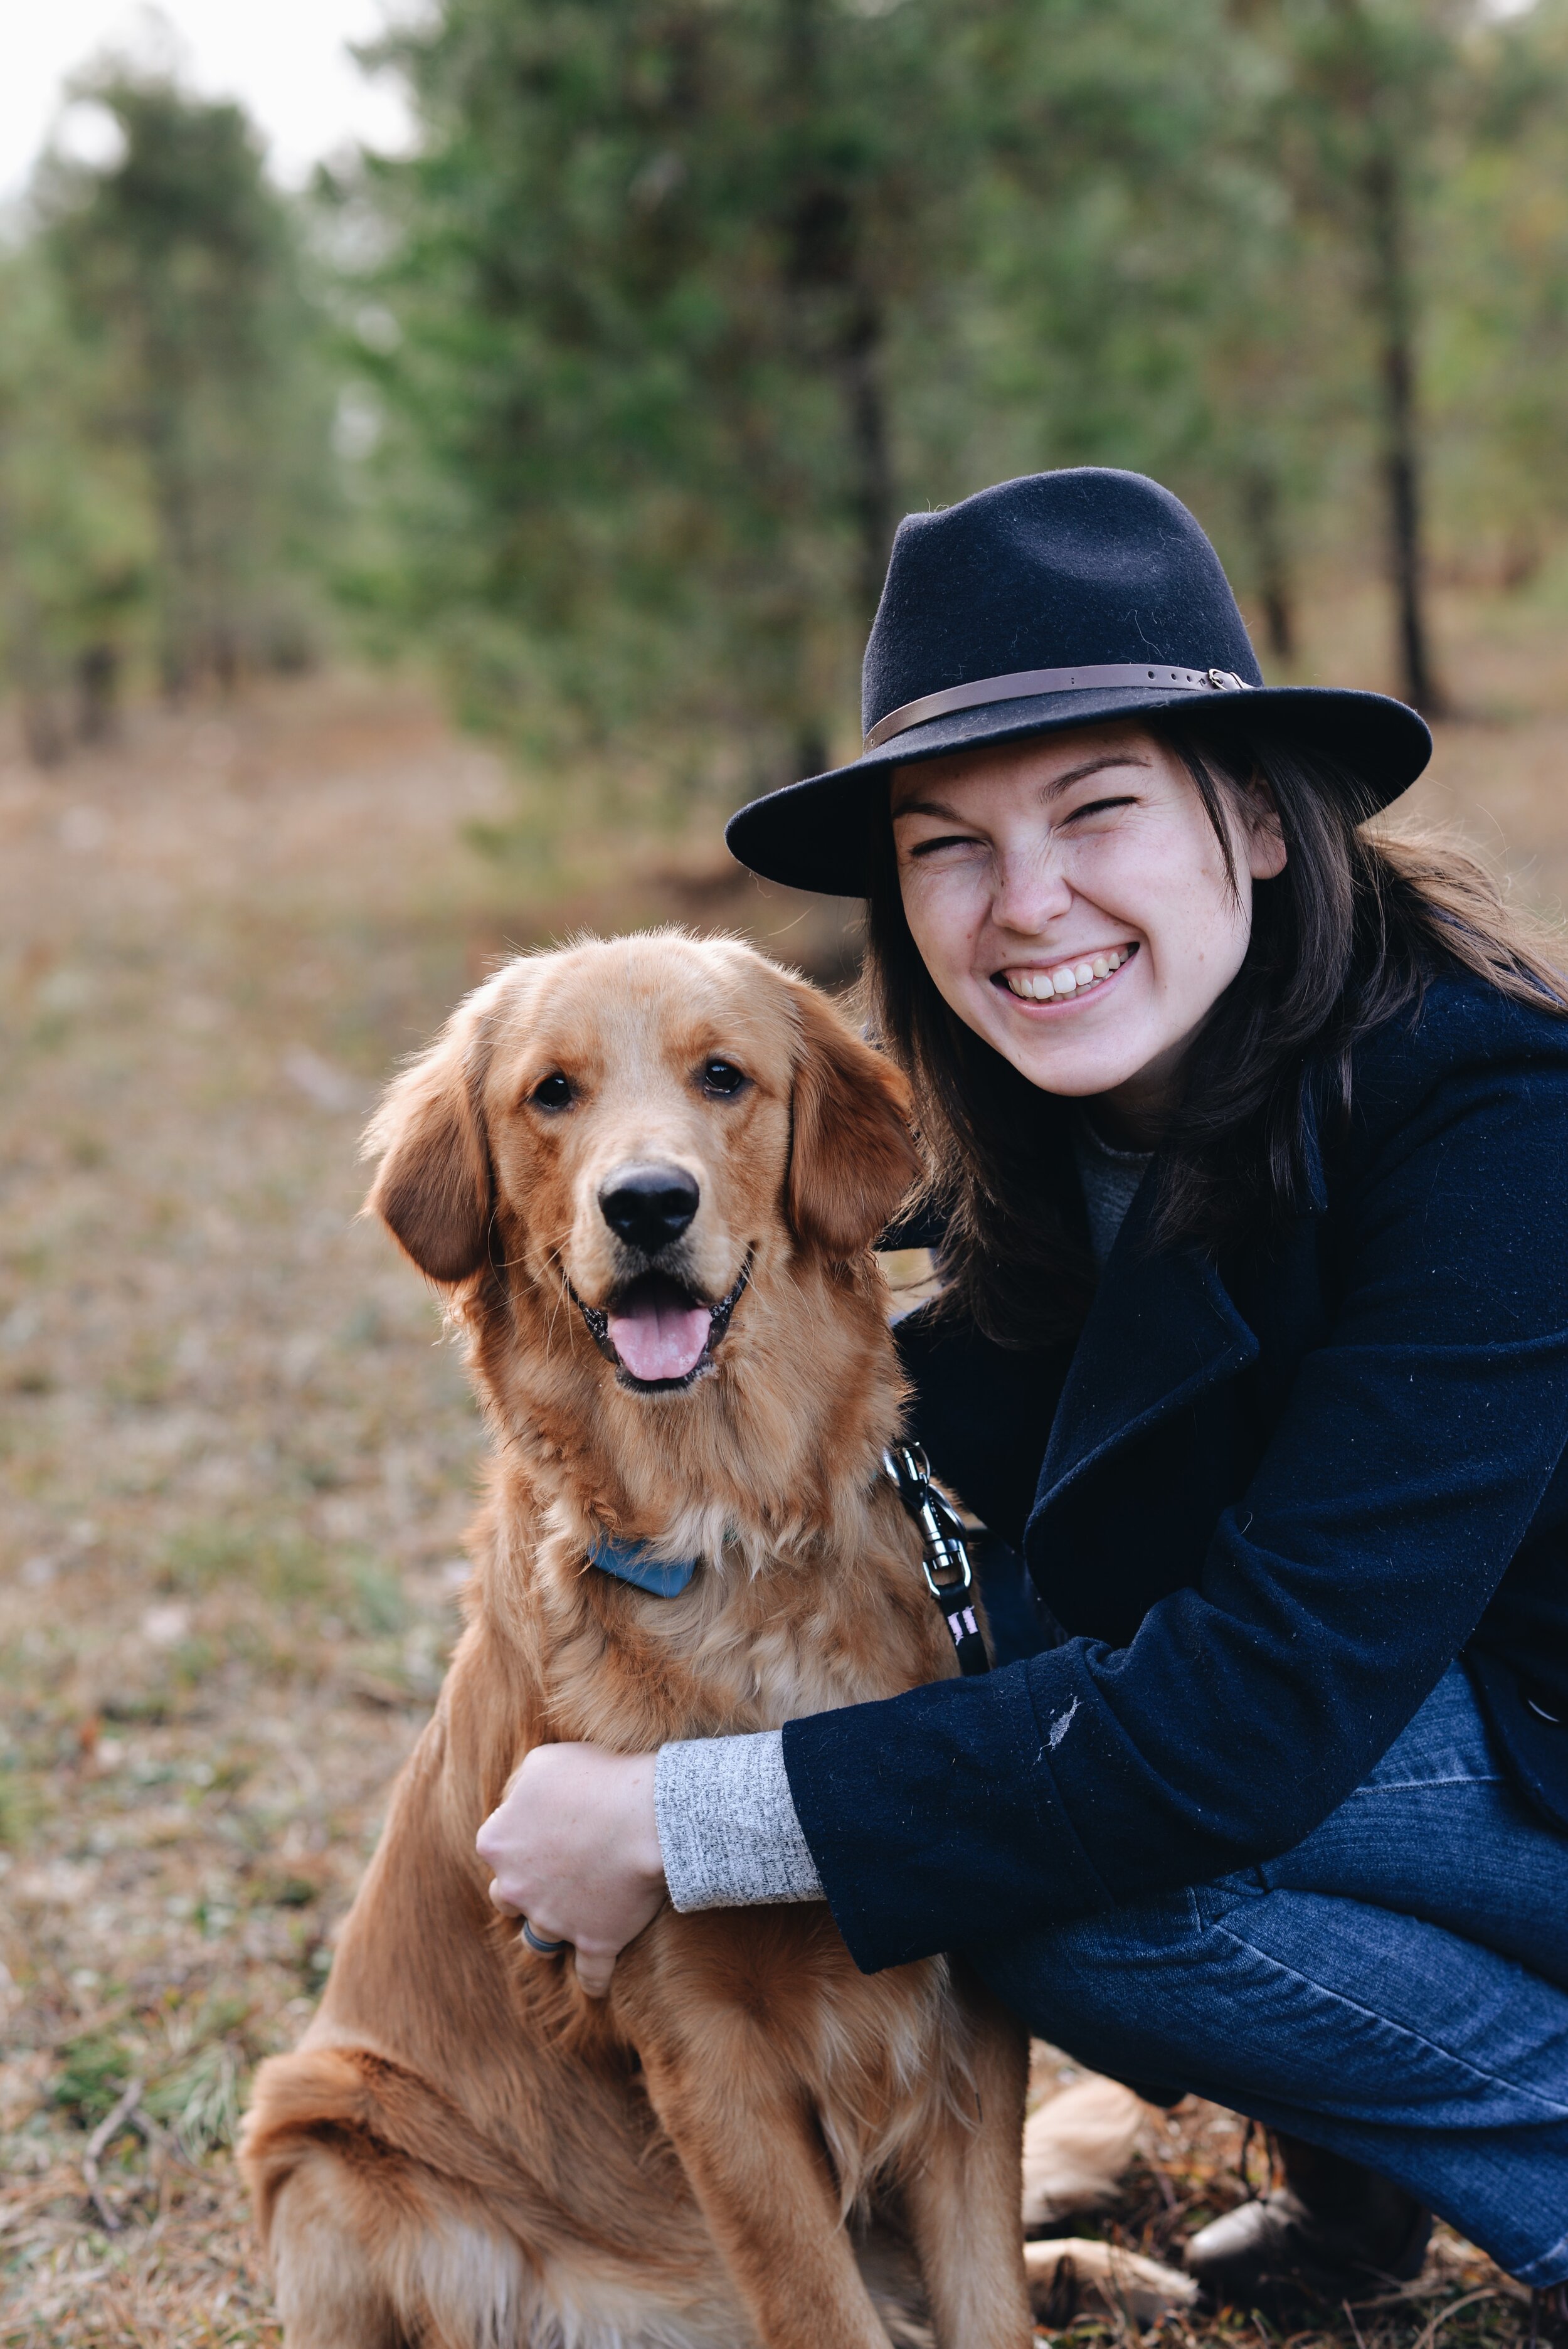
<point x="852" y="1156"/>
<point x="432" y="1189"/>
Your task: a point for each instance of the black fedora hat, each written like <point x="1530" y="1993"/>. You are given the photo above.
<point x="1058" y="600"/>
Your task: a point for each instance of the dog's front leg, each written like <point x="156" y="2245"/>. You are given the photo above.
<point x="751" y="2150"/>
<point x="962" y="2195"/>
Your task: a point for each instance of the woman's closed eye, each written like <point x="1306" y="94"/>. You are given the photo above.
<point x="942" y="840"/>
<point x="1090" y="808"/>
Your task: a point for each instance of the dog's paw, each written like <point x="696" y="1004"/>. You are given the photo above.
<point x="1069" y="2276"/>
<point x="1075" y="2148"/>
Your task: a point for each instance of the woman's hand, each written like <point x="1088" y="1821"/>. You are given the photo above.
<point x="575" y="1847"/>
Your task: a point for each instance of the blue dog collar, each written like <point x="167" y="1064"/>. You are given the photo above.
<point x="633" y="1562"/>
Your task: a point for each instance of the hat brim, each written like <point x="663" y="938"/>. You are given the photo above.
<point x="816" y="834"/>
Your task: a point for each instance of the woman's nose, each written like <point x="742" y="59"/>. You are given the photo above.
<point x="1031" y="889"/>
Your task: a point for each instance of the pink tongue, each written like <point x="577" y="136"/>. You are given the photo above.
<point x="657" y="1338"/>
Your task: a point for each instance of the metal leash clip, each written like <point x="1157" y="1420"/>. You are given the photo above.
<point x="944" y="1553"/>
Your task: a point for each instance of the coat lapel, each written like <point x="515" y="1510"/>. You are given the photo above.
<point x="1162" y="1328"/>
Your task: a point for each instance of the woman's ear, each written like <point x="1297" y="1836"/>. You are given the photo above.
<point x="432" y="1189"/>
<point x="1266" y="852"/>
<point x="852" y="1156"/>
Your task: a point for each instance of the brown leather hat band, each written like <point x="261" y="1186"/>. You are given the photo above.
<point x="1024" y="683"/>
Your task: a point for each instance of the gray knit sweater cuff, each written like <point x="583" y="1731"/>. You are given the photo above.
<point x="727" y="1823"/>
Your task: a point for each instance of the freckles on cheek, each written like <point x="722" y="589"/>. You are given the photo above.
<point x="943" y="921"/>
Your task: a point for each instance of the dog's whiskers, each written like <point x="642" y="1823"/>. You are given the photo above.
<point x="555" y="1262"/>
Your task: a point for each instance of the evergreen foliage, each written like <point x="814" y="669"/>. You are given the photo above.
<point x="163" y="416"/>
<point x="694" y="299"/>
<point x="679" y="304"/>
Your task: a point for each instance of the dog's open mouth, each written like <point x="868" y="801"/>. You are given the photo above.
<point x="658" y="1333"/>
<point x="658" y="1330"/>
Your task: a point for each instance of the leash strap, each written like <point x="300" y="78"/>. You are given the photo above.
<point x="944" y="1553"/>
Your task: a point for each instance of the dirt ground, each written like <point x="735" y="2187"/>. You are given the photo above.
<point x="237" y="1453"/>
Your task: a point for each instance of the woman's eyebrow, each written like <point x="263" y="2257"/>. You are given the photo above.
<point x="1093" y="767"/>
<point x="946" y="814"/>
<point x="927" y="807"/>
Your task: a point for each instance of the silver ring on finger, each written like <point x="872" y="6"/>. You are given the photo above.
<point x="541" y="1947"/>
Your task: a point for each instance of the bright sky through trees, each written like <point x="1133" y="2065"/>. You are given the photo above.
<point x="286" y="61"/>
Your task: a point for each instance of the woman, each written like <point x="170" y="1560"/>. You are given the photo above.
<point x="1247" y="1141"/>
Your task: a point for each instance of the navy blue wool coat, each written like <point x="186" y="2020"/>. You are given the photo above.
<point x="1267" y="1501"/>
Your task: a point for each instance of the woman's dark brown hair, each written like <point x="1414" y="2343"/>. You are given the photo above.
<point x="1344" y="938"/>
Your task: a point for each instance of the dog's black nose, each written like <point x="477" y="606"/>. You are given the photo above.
<point x="648" y="1206"/>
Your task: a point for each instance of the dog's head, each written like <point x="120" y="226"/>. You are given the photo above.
<point x="643" y="1123"/>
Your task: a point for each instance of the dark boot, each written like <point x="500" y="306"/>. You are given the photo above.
<point x="1333" y="2231"/>
<point x="1549" y="2316"/>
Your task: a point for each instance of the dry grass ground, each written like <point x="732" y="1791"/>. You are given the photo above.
<point x="237" y="1455"/>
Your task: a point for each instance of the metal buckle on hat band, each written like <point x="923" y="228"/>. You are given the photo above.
<point x="1022" y="684"/>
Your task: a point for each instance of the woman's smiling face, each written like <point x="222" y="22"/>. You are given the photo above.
<point x="1070" y="900"/>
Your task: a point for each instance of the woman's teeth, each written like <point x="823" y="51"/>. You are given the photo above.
<point x="1068" y="979"/>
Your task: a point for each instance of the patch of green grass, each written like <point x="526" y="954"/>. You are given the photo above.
<point x="284" y="1891"/>
<point x="200" y="2099"/>
<point x="379" y="1605"/>
<point x="147" y="1708"/>
<point x="200" y="1555"/>
<point x="92" y="2075"/>
<point x="192" y="1661"/>
<point x="143" y="1381"/>
<point x="366" y="1326"/>
<point x="280" y="1568"/>
<point x="30" y="1260"/>
<point x="292" y="1567"/>
<point x="19" y="1806"/>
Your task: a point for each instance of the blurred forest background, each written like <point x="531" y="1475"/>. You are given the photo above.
<point x="419" y="564"/>
<point x="610" y="394"/>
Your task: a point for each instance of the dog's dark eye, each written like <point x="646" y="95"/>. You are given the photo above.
<point x="553" y="1093"/>
<point x="722" y="1077"/>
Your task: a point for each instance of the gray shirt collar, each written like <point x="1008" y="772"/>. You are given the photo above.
<point x="1111" y="1178"/>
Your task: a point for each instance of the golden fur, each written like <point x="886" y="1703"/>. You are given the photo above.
<point x="465" y="2152"/>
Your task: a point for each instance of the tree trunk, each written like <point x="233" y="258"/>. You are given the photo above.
<point x="871" y="458"/>
<point x="164" y="427"/>
<point x="97" y="691"/>
<point x="179" y="614"/>
<point x="1271" y="564"/>
<point x="812" y="756"/>
<point x="42" y="731"/>
<point x="1393" y="311"/>
<point x="826" y="266"/>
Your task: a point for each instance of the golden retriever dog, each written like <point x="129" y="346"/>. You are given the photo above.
<point x="648" y="1173"/>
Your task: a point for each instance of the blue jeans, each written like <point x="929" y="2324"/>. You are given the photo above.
<point x="1394" y="1989"/>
